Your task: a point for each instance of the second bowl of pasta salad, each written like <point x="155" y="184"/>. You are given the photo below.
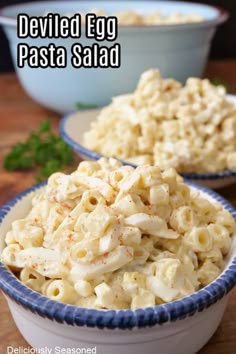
<point x="117" y="258"/>
<point x="190" y="127"/>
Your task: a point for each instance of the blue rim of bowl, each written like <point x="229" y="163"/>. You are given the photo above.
<point x="83" y="151"/>
<point x="122" y="319"/>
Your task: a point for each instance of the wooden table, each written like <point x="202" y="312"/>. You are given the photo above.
<point x="19" y="115"/>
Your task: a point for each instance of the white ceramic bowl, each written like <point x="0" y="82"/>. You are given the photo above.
<point x="74" y="125"/>
<point x="178" y="51"/>
<point x="180" y="327"/>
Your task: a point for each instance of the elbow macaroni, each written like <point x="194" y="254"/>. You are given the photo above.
<point x="133" y="18"/>
<point x="191" y="128"/>
<point x="110" y="236"/>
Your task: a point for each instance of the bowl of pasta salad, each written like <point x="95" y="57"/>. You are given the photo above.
<point x="175" y="36"/>
<point x="117" y="259"/>
<point x="191" y="127"/>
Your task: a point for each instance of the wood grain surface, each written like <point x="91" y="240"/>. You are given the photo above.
<point x="19" y="115"/>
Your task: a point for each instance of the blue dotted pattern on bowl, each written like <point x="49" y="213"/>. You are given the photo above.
<point x="123" y="319"/>
<point x="209" y="176"/>
<point x="87" y="153"/>
<point x="73" y="144"/>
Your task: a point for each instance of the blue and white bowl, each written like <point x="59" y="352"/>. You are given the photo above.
<point x="74" y="125"/>
<point x="180" y="327"/>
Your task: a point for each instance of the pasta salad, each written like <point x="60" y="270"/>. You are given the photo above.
<point x="191" y="128"/>
<point x="109" y="236"/>
<point x="135" y="18"/>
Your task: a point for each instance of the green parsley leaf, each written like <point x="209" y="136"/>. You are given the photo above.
<point x="218" y="82"/>
<point x="45" y="126"/>
<point x="83" y="106"/>
<point x="42" y="150"/>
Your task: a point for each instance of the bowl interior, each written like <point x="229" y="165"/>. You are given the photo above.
<point x="166" y="7"/>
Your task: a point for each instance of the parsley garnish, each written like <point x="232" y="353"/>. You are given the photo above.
<point x="83" y="106"/>
<point x="218" y="82"/>
<point x="43" y="150"/>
